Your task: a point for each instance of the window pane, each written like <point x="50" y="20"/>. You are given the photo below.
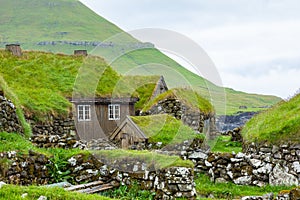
<point x="80" y="112"/>
<point x="114" y="111"/>
<point x="84" y="112"/>
<point x="117" y="111"/>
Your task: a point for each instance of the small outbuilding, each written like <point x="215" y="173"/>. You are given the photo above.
<point x="128" y="134"/>
<point x="15" y="49"/>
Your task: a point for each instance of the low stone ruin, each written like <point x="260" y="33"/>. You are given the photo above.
<point x="174" y="107"/>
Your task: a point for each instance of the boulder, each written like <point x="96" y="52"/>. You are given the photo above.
<point x="280" y="176"/>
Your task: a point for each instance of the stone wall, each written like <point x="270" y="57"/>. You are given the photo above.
<point x="53" y="126"/>
<point x="20" y="169"/>
<point x="9" y="120"/>
<point x="293" y="194"/>
<point x="33" y="168"/>
<point x="259" y="165"/>
<point x="68" y="141"/>
<point x="194" y="119"/>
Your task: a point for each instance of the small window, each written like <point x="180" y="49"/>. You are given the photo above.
<point x="114" y="112"/>
<point x="84" y="112"/>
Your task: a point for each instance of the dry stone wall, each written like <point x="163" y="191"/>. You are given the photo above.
<point x="274" y="165"/>
<point x="23" y="169"/>
<point x="54" y="126"/>
<point x="194" y="119"/>
<point x="33" y="168"/>
<point x="9" y="121"/>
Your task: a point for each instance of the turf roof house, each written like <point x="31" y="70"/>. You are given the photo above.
<point x="139" y="131"/>
<point x="183" y="105"/>
<point x="99" y="117"/>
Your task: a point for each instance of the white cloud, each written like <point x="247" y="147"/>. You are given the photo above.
<point x="280" y="82"/>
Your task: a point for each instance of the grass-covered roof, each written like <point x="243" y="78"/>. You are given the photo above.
<point x="186" y="96"/>
<point x="279" y="124"/>
<point x="41" y="82"/>
<point x="165" y="128"/>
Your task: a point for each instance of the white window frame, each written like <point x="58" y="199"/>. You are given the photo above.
<point x="114" y="111"/>
<point x="84" y="112"/>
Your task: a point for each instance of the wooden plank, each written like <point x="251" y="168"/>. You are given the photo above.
<point x="83" y="186"/>
<point x="96" y="189"/>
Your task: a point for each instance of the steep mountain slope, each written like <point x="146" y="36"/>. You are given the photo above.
<point x="65" y="25"/>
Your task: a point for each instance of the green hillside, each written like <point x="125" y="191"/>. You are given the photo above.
<point x="280" y="124"/>
<point x="65" y="25"/>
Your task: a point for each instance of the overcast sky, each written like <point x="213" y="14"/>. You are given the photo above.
<point x="255" y="44"/>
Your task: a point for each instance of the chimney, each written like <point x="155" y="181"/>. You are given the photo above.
<point x="15" y="49"/>
<point x="80" y="52"/>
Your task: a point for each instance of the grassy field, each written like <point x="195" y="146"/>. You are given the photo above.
<point x="224" y="144"/>
<point x="71" y="21"/>
<point x="277" y="125"/>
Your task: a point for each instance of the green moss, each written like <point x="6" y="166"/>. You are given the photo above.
<point x="165" y="129"/>
<point x="279" y="124"/>
<point x="158" y="161"/>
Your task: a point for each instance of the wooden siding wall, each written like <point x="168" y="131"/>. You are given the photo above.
<point x="100" y="126"/>
<point x="88" y="130"/>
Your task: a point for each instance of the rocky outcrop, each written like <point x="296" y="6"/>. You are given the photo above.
<point x="235" y="134"/>
<point x="9" y="121"/>
<point x="229" y="122"/>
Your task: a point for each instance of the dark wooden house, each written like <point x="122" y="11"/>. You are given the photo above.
<point x="128" y="133"/>
<point x="99" y="117"/>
